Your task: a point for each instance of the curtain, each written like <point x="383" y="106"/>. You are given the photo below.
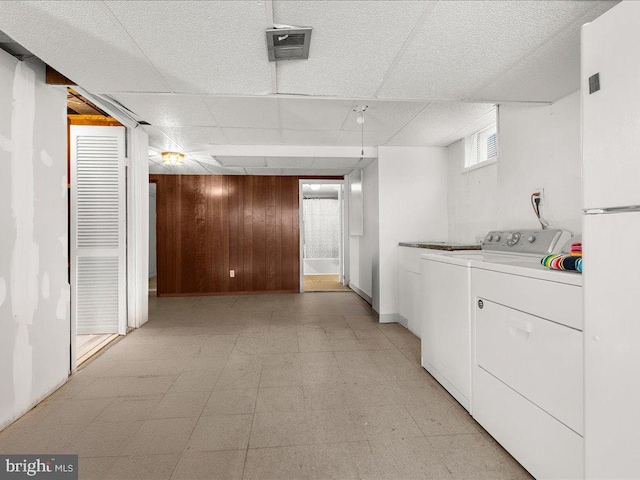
<point x="321" y="227"/>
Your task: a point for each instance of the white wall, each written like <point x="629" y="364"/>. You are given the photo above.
<point x="539" y="146"/>
<point x="472" y="197"/>
<point x="412" y="207"/>
<point x="152" y="230"/>
<point x="363" y="249"/>
<point x="34" y="293"/>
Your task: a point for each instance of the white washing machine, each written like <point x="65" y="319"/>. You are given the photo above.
<point x="446" y="302"/>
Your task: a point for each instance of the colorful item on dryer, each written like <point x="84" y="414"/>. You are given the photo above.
<point x="563" y="262"/>
<point x="576" y="249"/>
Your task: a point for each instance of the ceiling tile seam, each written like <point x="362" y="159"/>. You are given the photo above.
<point x="455" y="133"/>
<point x="407" y="124"/>
<point x="522" y="59"/>
<point x="279" y="123"/>
<point x="346" y="117"/>
<point x="414" y="31"/>
<point x="144" y="55"/>
<point x="159" y="165"/>
<point x="215" y="120"/>
<point x="273" y="67"/>
<point x="312" y="97"/>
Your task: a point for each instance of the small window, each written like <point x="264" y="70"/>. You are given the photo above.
<point x="482" y="147"/>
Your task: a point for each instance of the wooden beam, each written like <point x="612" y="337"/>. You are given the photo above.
<point x="53" y="77"/>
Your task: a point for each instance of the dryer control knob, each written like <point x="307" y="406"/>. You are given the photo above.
<point x="498" y="237"/>
<point x="489" y="238"/>
<point x="531" y="239"/>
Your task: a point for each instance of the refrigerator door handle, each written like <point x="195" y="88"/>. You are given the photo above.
<point x="604" y="211"/>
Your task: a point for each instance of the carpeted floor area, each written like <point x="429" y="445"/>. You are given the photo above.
<point x="323" y="283"/>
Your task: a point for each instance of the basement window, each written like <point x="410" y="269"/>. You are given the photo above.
<point x="481" y="148"/>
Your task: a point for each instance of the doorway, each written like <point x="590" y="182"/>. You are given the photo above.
<point x="153" y="265"/>
<point x="322" y="236"/>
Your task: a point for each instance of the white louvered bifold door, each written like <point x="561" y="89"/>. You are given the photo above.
<point x="98" y="262"/>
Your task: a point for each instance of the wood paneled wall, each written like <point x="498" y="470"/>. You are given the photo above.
<point x="208" y="225"/>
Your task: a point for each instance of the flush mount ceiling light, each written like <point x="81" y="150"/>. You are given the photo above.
<point x="172" y="158"/>
<point x="315" y="186"/>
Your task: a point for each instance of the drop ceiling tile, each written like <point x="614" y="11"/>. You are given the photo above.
<point x="314" y="114"/>
<point x="167" y="110"/>
<point x="155" y="168"/>
<point x="384" y="115"/>
<point x="252" y="136"/>
<point x="244" y="112"/>
<point x="202" y="47"/>
<point x="195" y="139"/>
<point x="464" y="45"/>
<point x="242" y="162"/>
<point x="371" y="138"/>
<point x="159" y="141"/>
<point x="344" y="163"/>
<point x="83" y="41"/>
<point x="289" y="162"/>
<point x="352" y="44"/>
<point x="310" y="137"/>
<point x="561" y="54"/>
<point x="438" y="121"/>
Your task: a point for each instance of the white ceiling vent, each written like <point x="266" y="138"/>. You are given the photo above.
<point x="285" y="42"/>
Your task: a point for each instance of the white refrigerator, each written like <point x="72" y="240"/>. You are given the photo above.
<point x="610" y="75"/>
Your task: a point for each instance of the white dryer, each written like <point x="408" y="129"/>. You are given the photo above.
<point x="446" y="302"/>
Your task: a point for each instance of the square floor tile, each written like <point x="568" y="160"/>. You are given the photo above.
<point x="280" y="399"/>
<point x="388" y="421"/>
<point x="231" y="401"/>
<point x="345" y="461"/>
<point x="279" y="429"/>
<point x="176" y="405"/>
<point x="284" y="463"/>
<point x="220" y="432"/>
<point x="223" y="465"/>
<point x="412" y="458"/>
<point x="335" y="426"/>
<point x="161" y="436"/>
<point x="149" y="467"/>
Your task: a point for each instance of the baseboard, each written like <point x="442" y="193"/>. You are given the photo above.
<point x="366" y="297"/>
<point x="390" y="318"/>
<point x="216" y="294"/>
<point x="33" y="405"/>
<point x="404" y="322"/>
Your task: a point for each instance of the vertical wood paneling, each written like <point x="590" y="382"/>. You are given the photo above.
<point x="209" y="224"/>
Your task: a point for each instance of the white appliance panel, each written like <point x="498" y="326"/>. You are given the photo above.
<point x="543" y="445"/>
<point x="611" y="115"/>
<point x="612" y="349"/>
<point x="539" y="359"/>
<point x="445" y="330"/>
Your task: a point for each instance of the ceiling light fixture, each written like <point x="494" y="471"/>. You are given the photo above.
<point x="315" y="186"/>
<point x="172" y="158"/>
<point x="360" y="109"/>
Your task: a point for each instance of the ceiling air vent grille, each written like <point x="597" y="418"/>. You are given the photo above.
<point x="288" y="43"/>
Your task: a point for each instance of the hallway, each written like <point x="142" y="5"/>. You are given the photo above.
<point x="261" y="387"/>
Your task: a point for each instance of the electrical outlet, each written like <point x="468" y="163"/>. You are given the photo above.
<point x="232" y="273"/>
<point x="540" y="190"/>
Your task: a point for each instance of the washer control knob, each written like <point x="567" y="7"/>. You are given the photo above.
<point x="513" y="238"/>
<point x="531" y="239"/>
<point x="498" y="237"/>
<point x="489" y="237"/>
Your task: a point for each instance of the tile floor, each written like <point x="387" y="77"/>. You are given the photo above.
<point x="261" y="387"/>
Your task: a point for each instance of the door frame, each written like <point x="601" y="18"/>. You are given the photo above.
<point x="344" y="227"/>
